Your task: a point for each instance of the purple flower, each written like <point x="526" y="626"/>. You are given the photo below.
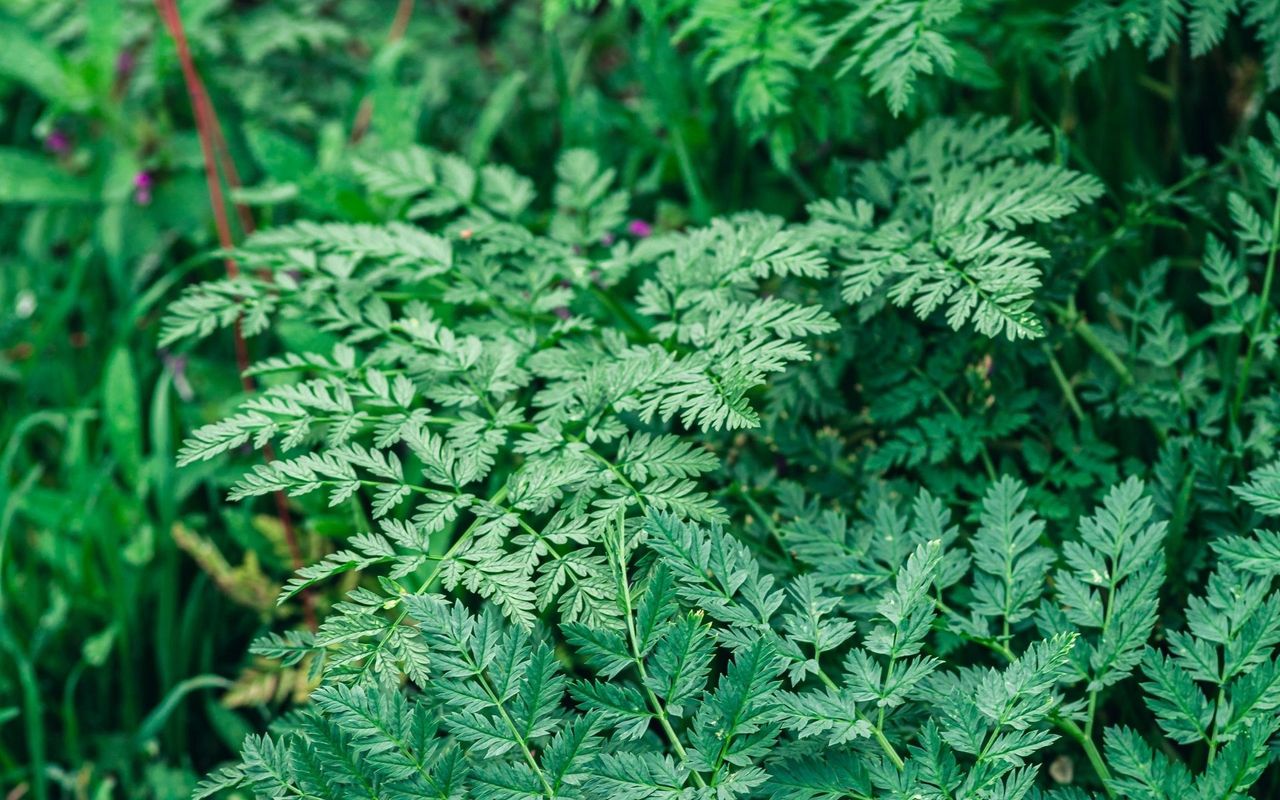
<point x="639" y="228"/>
<point x="57" y="142"/>
<point x="142" y="183"/>
<point x="562" y="312"/>
<point x="125" y="63"/>
<point x="608" y="239"/>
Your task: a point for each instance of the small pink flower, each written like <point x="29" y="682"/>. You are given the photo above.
<point x="639" y="229"/>
<point x="177" y="366"/>
<point x="57" y="142"/>
<point x="562" y="312"/>
<point x="142" y="184"/>
<point x="608" y="239"/>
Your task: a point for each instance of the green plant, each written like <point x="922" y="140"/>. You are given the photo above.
<point x="506" y="352"/>
<point x="792" y="399"/>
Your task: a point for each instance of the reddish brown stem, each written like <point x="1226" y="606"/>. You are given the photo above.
<point x="213" y="147"/>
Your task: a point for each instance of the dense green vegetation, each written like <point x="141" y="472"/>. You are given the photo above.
<point x="794" y="399"/>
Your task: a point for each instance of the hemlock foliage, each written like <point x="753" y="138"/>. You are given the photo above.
<point x="686" y="399"/>
<point x="556" y="602"/>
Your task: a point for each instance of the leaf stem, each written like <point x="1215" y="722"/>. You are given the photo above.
<point x="633" y="640"/>
<point x="497" y="499"/>
<point x="765" y="518"/>
<point x="950" y="406"/>
<point x="515" y="731"/>
<point x="621" y="312"/>
<point x="1075" y="322"/>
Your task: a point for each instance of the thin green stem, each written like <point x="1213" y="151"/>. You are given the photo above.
<point x="654" y="702"/>
<point x="1217" y="713"/>
<point x="1106" y="625"/>
<point x="1066" y="725"/>
<point x="33" y="715"/>
<point x="880" y="738"/>
<point x="991" y="644"/>
<point x="699" y="206"/>
<point x="621" y="312"/>
<point x="515" y="731"/>
<point x="1064" y="384"/>
<point x="1264" y="311"/>
<point x="1081" y="327"/>
<point x="497" y="498"/>
<point x="637" y="658"/>
<point x="1090" y="750"/>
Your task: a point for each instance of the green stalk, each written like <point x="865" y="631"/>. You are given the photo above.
<point x="1090" y="337"/>
<point x="1260" y="323"/>
<point x="1090" y="750"/>
<point x="880" y="738"/>
<point x="515" y="731"/>
<point x="987" y="464"/>
<point x="1217" y="713"/>
<point x="660" y="82"/>
<point x="637" y="659"/>
<point x="1064" y="384"/>
<point x="1106" y="625"/>
<point x="621" y="313"/>
<point x="496" y="499"/>
<point x="765" y="518"/>
<point x="699" y="206"/>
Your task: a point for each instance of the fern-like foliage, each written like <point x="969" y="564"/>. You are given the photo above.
<point x="772" y="53"/>
<point x="936" y="225"/>
<point x="712" y="678"/>
<point x="1099" y="26"/>
<point x="892" y="43"/>
<point x="534" y="422"/>
<point x="554" y="602"/>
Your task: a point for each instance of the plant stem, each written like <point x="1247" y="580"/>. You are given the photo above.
<point x="1090" y="750"/>
<point x="1213" y="738"/>
<point x="364" y="114"/>
<point x="697" y="200"/>
<point x="1090" y="337"/>
<point x="883" y="741"/>
<point x="515" y="731"/>
<point x="1265" y="309"/>
<point x="765" y="518"/>
<point x="633" y="639"/>
<point x="621" y="313"/>
<point x="33" y="715"/>
<point x="1064" y="384"/>
<point x="496" y="499"/>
